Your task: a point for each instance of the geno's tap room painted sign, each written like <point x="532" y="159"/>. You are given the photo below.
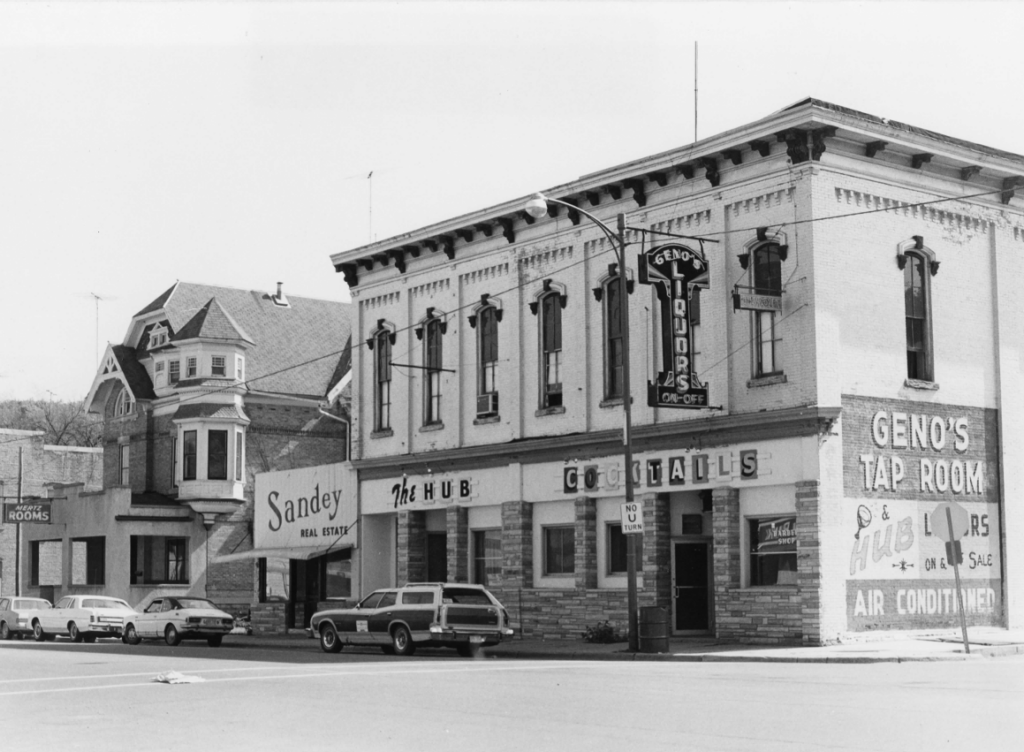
<point x="900" y="460"/>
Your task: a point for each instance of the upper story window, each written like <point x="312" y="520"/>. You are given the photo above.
<point x="218" y="366"/>
<point x="217" y="455"/>
<point x="767" y="264"/>
<point x="613" y="352"/>
<point x="487" y="342"/>
<point x="240" y="368"/>
<point x="174" y="372"/>
<point x="239" y="456"/>
<point x="551" y="349"/>
<point x="123" y="452"/>
<point x="382" y="380"/>
<point x="432" y="362"/>
<point x="188" y="455"/>
<point x="917" y="306"/>
<point x="157" y="337"/>
<point x="191" y="368"/>
<point x="125" y="404"/>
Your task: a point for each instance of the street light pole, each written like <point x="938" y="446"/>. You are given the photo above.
<point x="537" y="207"/>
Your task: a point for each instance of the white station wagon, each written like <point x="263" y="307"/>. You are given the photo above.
<point x="82" y="618"/>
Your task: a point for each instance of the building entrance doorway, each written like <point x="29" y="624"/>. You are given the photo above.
<point x="437" y="557"/>
<point x="691" y="587"/>
<point x="306" y="584"/>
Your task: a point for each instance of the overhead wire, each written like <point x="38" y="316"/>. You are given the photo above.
<point x="894" y="207"/>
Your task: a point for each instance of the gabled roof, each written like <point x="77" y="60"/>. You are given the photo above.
<point x="212" y="322"/>
<point x="296" y="349"/>
<point x="134" y="373"/>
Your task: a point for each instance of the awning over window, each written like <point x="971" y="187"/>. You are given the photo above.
<point x="277" y="553"/>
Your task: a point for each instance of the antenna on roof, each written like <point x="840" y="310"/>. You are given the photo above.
<point x="695" y="91"/>
<point x="98" y="299"/>
<point x="369" y="181"/>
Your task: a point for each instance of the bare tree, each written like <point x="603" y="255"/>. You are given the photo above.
<point x="64" y="423"/>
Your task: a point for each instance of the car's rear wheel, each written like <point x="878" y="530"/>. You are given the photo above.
<point x="73" y="632"/>
<point x="131" y="635"/>
<point x="5" y="631"/>
<point x="37" y="632"/>
<point x="469" y="650"/>
<point x="401" y="641"/>
<point x="329" y="640"/>
<point x="171" y="636"/>
<point x="215" y="641"/>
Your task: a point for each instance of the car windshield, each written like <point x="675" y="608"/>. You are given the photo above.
<point x="32" y="604"/>
<point x="110" y="603"/>
<point x="466" y="596"/>
<point x="195" y="603"/>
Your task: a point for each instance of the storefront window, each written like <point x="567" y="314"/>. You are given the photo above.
<point x="773" y="551"/>
<point x="617" y="550"/>
<point x="338" y="574"/>
<point x="559" y="550"/>
<point x="274" y="579"/>
<point x="486" y="556"/>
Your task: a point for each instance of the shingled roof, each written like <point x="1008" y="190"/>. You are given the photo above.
<point x="300" y="348"/>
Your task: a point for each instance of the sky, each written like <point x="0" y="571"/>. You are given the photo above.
<point x="231" y="143"/>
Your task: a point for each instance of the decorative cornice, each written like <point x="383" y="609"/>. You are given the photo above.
<point x="944" y="217"/>
<point x="720" y="430"/>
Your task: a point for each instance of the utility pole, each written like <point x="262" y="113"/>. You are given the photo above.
<point x="17" y="526"/>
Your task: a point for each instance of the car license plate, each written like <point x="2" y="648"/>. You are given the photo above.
<point x="476" y="638"/>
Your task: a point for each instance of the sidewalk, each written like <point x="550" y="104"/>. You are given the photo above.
<point x="985" y="642"/>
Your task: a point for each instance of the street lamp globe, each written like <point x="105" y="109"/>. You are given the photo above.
<point x="537" y="206"/>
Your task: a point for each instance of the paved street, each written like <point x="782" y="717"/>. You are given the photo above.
<point x="65" y="696"/>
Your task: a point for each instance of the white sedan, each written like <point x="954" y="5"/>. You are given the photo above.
<point x="82" y="618"/>
<point x="179" y="618"/>
<point x="16" y="615"/>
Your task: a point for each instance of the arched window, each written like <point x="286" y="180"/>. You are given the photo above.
<point x="125" y="404"/>
<point x="382" y="380"/>
<point x="613" y="352"/>
<point x="432" y="363"/>
<point x="767" y="281"/>
<point x="487" y="383"/>
<point x="917" y="305"/>
<point x="551" y="349"/>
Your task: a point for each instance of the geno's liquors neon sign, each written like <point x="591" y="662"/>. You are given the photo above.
<point x="675" y="270"/>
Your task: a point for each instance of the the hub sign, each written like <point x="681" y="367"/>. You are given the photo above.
<point x="674" y="270"/>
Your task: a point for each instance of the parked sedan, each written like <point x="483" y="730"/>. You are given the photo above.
<point x="16" y="615"/>
<point x="175" y="619"/>
<point x="83" y="618"/>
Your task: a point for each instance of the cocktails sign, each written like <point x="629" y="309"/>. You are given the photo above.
<point x="675" y="270"/>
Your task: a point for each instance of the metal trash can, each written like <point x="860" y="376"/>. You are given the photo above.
<point x="653" y="630"/>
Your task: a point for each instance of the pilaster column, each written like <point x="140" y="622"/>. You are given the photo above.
<point x="726" y="531"/>
<point x="517" y="544"/>
<point x="808" y="558"/>
<point x="457" y="529"/>
<point x="412" y="547"/>
<point x="656" y="559"/>
<point x="586" y="543"/>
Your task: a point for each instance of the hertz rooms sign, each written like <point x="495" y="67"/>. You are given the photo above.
<point x="675" y="270"/>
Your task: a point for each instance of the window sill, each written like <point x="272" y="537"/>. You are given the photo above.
<point x="384" y="433"/>
<point x="930" y="386"/>
<point x="432" y="427"/>
<point x="487" y="419"/>
<point x="550" y="411"/>
<point x="611" y="402"/>
<point x="779" y="378"/>
<point x="769" y="588"/>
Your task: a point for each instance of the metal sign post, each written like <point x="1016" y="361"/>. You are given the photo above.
<point x="957" y="523"/>
<point x="955" y="546"/>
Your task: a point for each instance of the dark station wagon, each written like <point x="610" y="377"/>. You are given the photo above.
<point x="429" y="614"/>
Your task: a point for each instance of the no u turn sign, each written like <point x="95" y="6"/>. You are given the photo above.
<point x="632" y="518"/>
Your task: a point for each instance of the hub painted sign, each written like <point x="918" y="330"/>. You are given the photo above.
<point x="900" y="458"/>
<point x="674" y="270"/>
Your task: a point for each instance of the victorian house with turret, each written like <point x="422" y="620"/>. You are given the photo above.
<point x="210" y="386"/>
